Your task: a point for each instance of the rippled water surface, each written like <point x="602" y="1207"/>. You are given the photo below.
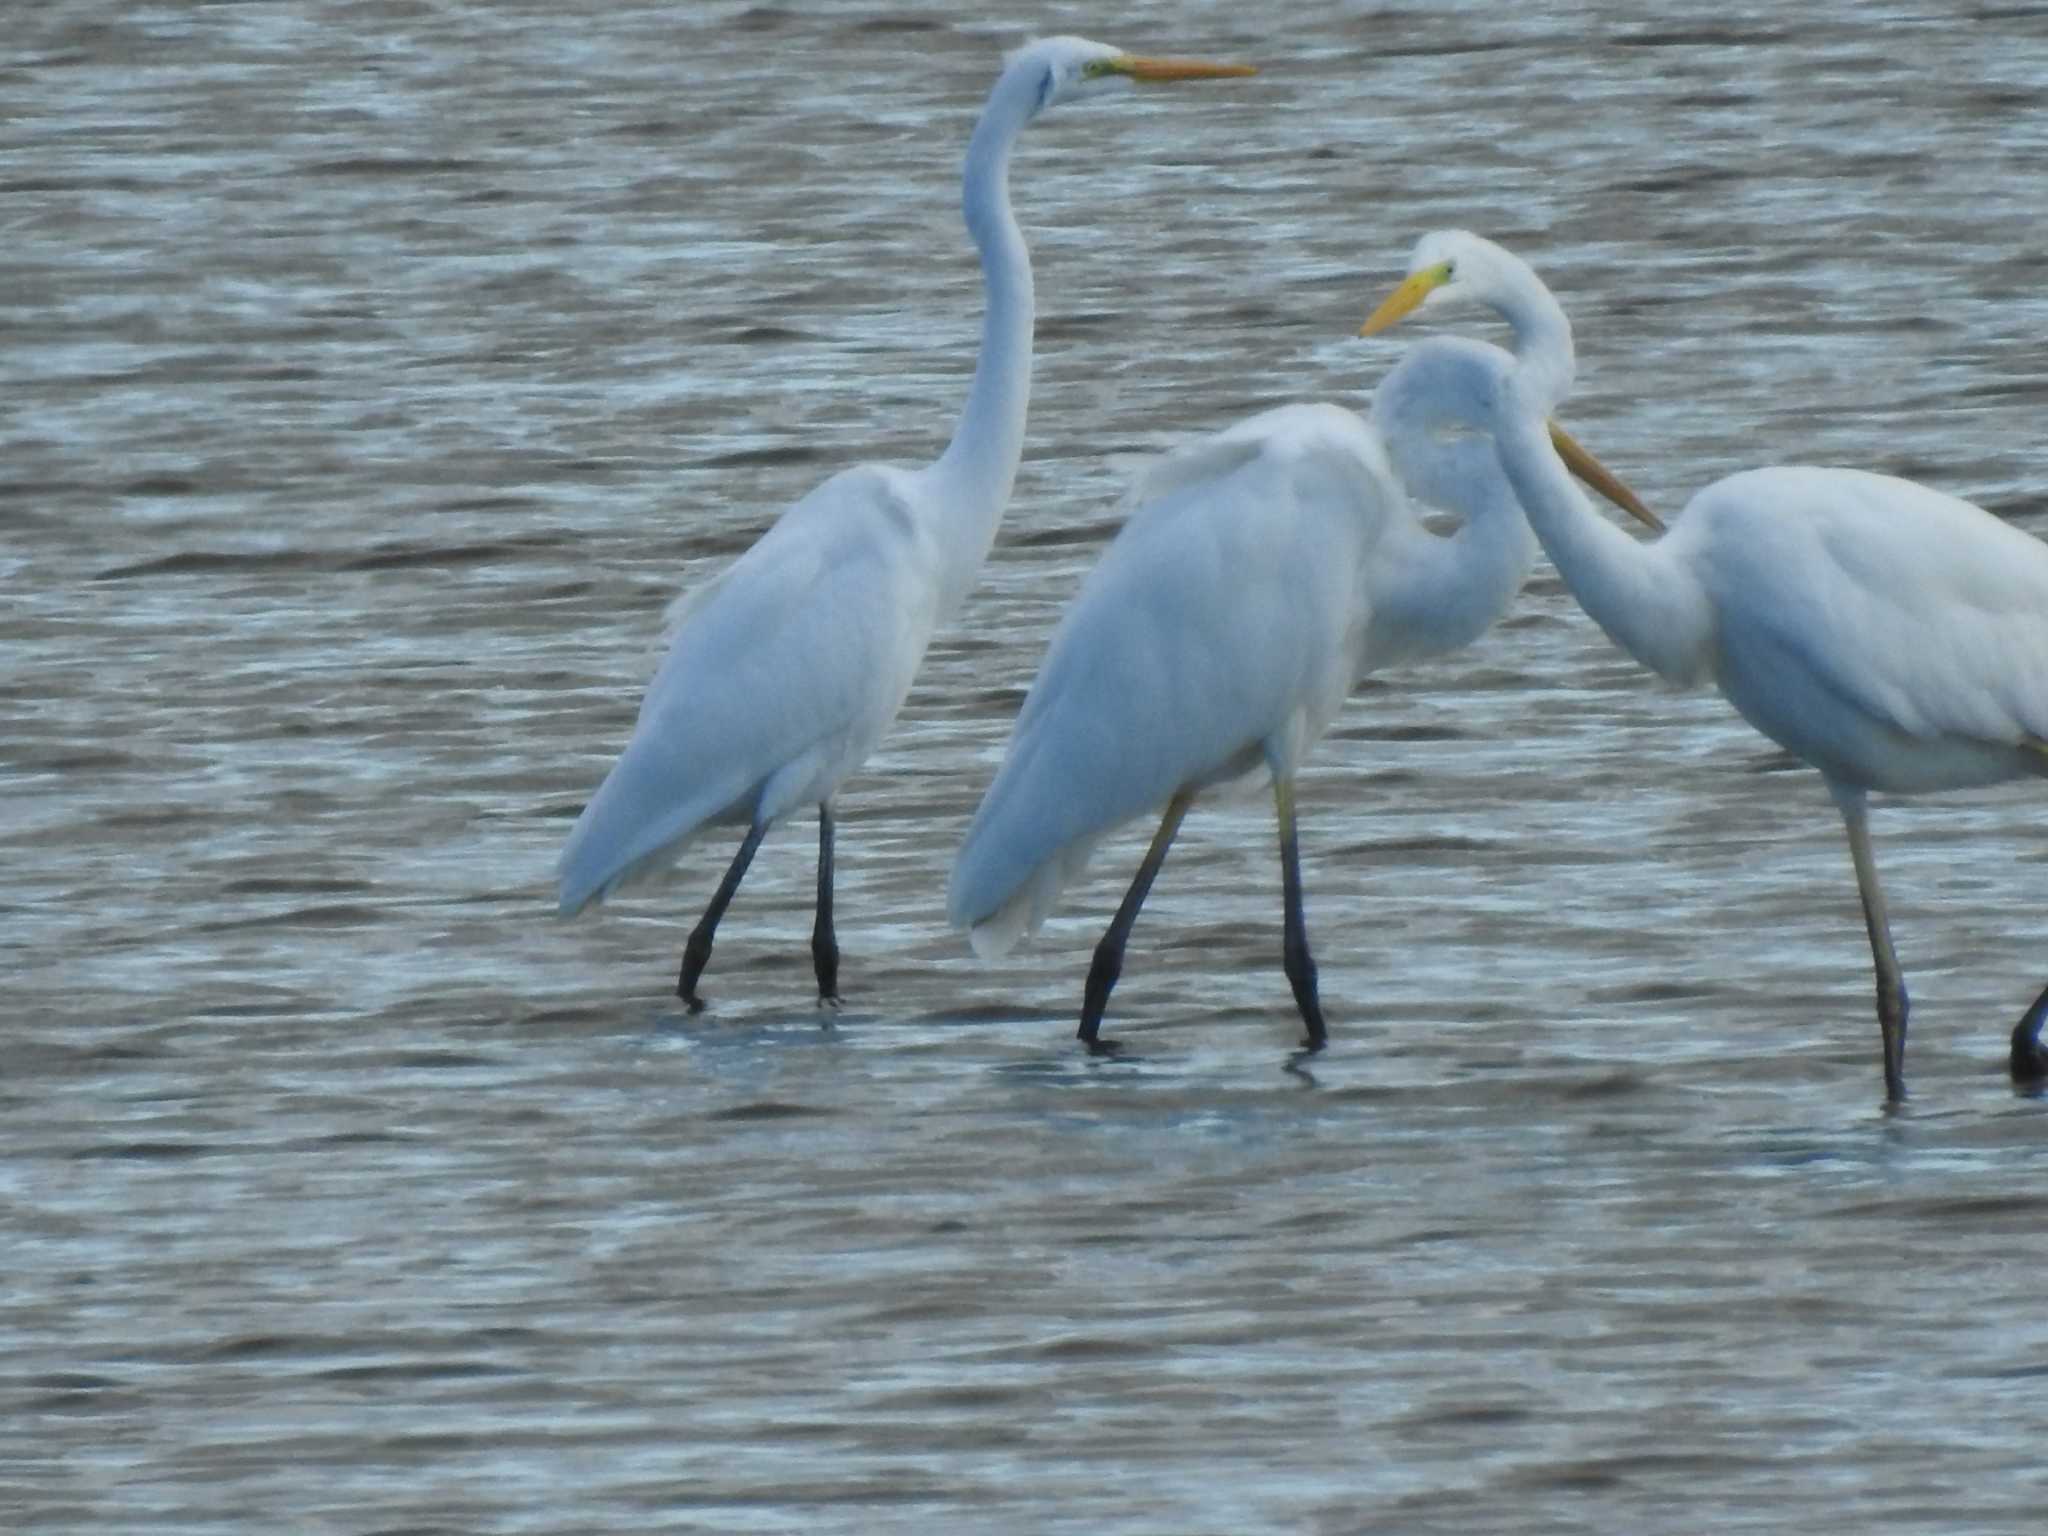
<point x="374" y="373"/>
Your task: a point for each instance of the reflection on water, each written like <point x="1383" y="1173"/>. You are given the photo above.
<point x="376" y="375"/>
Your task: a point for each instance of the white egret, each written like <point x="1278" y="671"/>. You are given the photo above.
<point x="1265" y="570"/>
<point x="1894" y="637"/>
<point x="784" y="670"/>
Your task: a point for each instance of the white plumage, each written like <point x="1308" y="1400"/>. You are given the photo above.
<point x="782" y="674"/>
<point x="1264" y="571"/>
<point x="1217" y="637"/>
<point x="784" y="671"/>
<point x="1894" y="637"/>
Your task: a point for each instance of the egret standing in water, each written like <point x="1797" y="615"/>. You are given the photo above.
<point x="1893" y="637"/>
<point x="784" y="670"/>
<point x="1265" y="571"/>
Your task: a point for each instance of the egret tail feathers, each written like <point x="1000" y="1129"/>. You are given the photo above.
<point x="626" y="836"/>
<point x="587" y="879"/>
<point x="996" y="935"/>
<point x="1029" y="903"/>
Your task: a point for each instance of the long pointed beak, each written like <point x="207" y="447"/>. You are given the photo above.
<point x="1161" y="71"/>
<point x="1600" y="477"/>
<point x="1406" y="299"/>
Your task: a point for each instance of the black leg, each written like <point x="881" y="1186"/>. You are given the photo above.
<point x="698" y="950"/>
<point x="1109" y="954"/>
<point x="2029" y="1061"/>
<point x="1295" y="958"/>
<point x="824" y="942"/>
<point x="1892" y="1003"/>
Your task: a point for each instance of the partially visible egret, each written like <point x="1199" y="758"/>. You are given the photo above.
<point x="1265" y="571"/>
<point x="784" y="670"/>
<point x="1893" y="637"/>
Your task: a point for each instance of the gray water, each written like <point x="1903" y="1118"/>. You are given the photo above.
<point x="373" y="375"/>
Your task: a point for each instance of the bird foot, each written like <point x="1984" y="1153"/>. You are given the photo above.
<point x="1102" y="1047"/>
<point x="691" y="1002"/>
<point x="830" y="1002"/>
<point x="2029" y="1062"/>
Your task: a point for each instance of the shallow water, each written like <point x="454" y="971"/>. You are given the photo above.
<point x="375" y="373"/>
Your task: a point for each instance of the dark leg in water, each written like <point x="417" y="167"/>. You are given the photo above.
<point x="1109" y="954"/>
<point x="1299" y="964"/>
<point x="2029" y="1061"/>
<point x="824" y="942"/>
<point x="698" y="950"/>
<point x="1892" y="1002"/>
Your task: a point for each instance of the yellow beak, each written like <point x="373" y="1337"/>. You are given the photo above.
<point x="1159" y="71"/>
<point x="1600" y="477"/>
<point x="1407" y="298"/>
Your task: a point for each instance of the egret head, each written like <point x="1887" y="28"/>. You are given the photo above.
<point x="1463" y="383"/>
<point x="1064" y="68"/>
<point x="1450" y="265"/>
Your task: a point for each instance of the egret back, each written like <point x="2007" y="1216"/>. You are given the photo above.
<point x="1894" y="636"/>
<point x="778" y="681"/>
<point x="1217" y="635"/>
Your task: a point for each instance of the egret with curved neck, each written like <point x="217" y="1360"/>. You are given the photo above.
<point x="783" y="671"/>
<point x="1893" y="637"/>
<point x="1265" y="570"/>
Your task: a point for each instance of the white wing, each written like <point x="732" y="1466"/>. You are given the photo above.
<point x="1215" y="635"/>
<point x="1204" y="461"/>
<point x="1854" y="598"/>
<point x="782" y="674"/>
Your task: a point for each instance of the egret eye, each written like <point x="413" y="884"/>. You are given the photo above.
<point x="1095" y="69"/>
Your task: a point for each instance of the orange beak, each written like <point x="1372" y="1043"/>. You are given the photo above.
<point x="1600" y="477"/>
<point x="1159" y="71"/>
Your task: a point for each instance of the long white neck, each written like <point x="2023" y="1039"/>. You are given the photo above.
<point x="1436" y="594"/>
<point x="1449" y="591"/>
<point x="1648" y="602"/>
<point x="970" y="483"/>
<point x="1458" y="586"/>
<point x="1543" y="348"/>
